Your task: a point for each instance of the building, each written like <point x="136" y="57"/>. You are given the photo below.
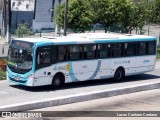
<point x="43" y="14"/>
<point x="37" y="14"/>
<point x="22" y="12"/>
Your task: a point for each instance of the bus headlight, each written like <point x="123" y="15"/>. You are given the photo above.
<point x="30" y="80"/>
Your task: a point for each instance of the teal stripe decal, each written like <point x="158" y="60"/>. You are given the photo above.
<point x="72" y="75"/>
<point x="74" y="78"/>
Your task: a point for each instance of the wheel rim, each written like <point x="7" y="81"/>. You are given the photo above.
<point x="118" y="75"/>
<point x="57" y="82"/>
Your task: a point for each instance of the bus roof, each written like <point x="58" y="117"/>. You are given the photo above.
<point x="84" y="38"/>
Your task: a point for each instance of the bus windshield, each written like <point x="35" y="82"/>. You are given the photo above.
<point x="19" y="58"/>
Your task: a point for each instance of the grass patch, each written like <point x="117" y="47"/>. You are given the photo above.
<point x="2" y="75"/>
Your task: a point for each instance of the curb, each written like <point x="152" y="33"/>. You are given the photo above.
<point x="79" y="97"/>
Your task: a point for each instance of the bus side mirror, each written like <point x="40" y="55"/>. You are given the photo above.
<point x="38" y="59"/>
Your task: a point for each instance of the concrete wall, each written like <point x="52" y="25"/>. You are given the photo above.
<point x="38" y="26"/>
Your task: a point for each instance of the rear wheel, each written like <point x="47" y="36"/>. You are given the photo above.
<point x="57" y="81"/>
<point x="119" y="74"/>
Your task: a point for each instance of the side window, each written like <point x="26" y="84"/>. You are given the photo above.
<point x="89" y="51"/>
<point x="117" y="49"/>
<point x="142" y="48"/>
<point x="130" y="49"/>
<point x="75" y="52"/>
<point x="151" y="47"/>
<point x="43" y="56"/>
<point x="102" y="50"/>
<point x="62" y="53"/>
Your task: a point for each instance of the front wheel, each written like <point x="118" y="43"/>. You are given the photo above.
<point x="119" y="74"/>
<point x="57" y="81"/>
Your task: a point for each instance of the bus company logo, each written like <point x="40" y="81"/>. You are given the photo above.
<point x="59" y="68"/>
<point x="122" y="62"/>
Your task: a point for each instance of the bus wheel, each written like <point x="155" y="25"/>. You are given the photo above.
<point x="119" y="74"/>
<point x="57" y="81"/>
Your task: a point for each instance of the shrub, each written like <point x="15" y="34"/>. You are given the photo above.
<point x="23" y="30"/>
<point x="3" y="63"/>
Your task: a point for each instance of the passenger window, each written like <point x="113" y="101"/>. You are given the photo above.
<point x="75" y="52"/>
<point x="62" y="53"/>
<point x="142" y="48"/>
<point x="130" y="49"/>
<point x="117" y="50"/>
<point x="102" y="50"/>
<point x="151" y="47"/>
<point x="89" y="51"/>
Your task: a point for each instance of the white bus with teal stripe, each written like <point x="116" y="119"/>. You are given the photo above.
<point x="79" y="57"/>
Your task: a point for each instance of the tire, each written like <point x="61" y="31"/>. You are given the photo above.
<point x="57" y="81"/>
<point x="119" y="75"/>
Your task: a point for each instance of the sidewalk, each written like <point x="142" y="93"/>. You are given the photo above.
<point x="3" y="41"/>
<point x="3" y="44"/>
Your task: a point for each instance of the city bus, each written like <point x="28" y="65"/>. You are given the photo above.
<point x="79" y="57"/>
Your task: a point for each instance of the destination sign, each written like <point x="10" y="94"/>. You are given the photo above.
<point x="22" y="44"/>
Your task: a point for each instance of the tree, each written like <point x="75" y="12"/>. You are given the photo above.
<point x="155" y="12"/>
<point x="104" y="13"/>
<point x="126" y="15"/>
<point x="80" y="15"/>
<point x="123" y="14"/>
<point x="135" y="15"/>
<point x="59" y="16"/>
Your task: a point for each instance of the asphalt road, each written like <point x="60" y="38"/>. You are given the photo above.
<point x="141" y="102"/>
<point x="19" y="94"/>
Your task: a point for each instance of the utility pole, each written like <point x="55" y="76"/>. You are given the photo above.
<point x="65" y="17"/>
<point x="6" y="19"/>
<point x="9" y="15"/>
<point x="3" y="18"/>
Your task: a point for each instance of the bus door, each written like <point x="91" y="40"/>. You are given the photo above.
<point x="43" y="62"/>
